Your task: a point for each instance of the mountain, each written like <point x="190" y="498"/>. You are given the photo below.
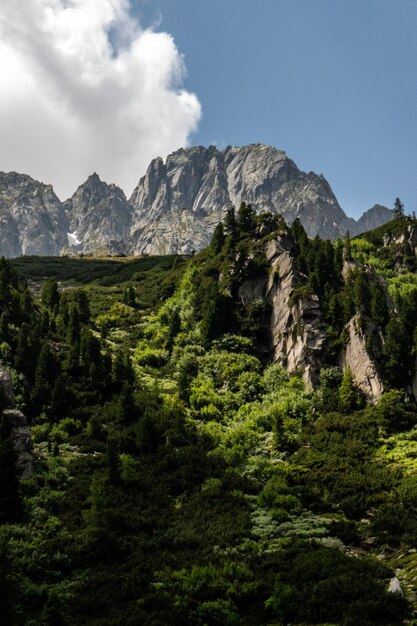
<point x="178" y="203"/>
<point x="373" y="217"/>
<point x="175" y="206"/>
<point x="99" y="216"/>
<point x="32" y="218"/>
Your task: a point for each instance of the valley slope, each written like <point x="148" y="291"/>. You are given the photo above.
<point x="179" y="470"/>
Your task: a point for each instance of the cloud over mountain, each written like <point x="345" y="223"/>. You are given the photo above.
<point x="85" y="88"/>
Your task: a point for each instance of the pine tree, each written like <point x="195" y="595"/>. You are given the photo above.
<point x="73" y="332"/>
<point x="246" y="219"/>
<point x="50" y="294"/>
<point x="4" y="328"/>
<point x="90" y="348"/>
<point x="127" y="404"/>
<point x="362" y="294"/>
<point x="230" y="224"/>
<point x="338" y="256"/>
<point x="5" y="276"/>
<point x="47" y="369"/>
<point x="347" y="250"/>
<point x="129" y="296"/>
<point x="398" y="208"/>
<point x="174" y="329"/>
<point x="23" y="354"/>
<point x="379" y="306"/>
<point x="59" y="398"/>
<point x="350" y="397"/>
<point x="26" y="304"/>
<point x="218" y="239"/>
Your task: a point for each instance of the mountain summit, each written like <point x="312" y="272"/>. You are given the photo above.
<point x="175" y="206"/>
<point x="100" y="216"/>
<point x="178" y="203"/>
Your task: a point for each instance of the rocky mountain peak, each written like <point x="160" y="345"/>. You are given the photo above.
<point x="178" y="203"/>
<point x="374" y="217"/>
<point x="31" y="217"/>
<point x="99" y="216"/>
<point x="175" y="206"/>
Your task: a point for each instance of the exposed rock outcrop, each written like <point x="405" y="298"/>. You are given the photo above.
<point x="22" y="442"/>
<point x="32" y="219"/>
<point x="19" y="429"/>
<point x="395" y="586"/>
<point x="296" y="334"/>
<point x="100" y="217"/>
<point x="174" y="208"/>
<point x="362" y="337"/>
<point x="178" y="203"/>
<point x="6" y="386"/>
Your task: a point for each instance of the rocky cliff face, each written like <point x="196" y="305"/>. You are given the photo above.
<point x="22" y="442"/>
<point x="297" y="335"/>
<point x="174" y="208"/>
<point x="298" y="330"/>
<point x="32" y="220"/>
<point x="360" y="359"/>
<point x="178" y="203"/>
<point x="19" y="429"/>
<point x="99" y="216"/>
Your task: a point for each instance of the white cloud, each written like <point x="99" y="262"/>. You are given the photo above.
<point x="84" y="88"/>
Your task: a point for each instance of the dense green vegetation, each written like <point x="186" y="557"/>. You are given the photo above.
<point x="180" y="477"/>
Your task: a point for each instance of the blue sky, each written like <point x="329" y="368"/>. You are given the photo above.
<point x="97" y="85"/>
<point x="331" y="82"/>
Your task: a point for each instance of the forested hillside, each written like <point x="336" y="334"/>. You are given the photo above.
<point x="206" y="448"/>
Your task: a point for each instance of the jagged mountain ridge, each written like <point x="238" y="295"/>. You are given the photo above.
<point x="178" y="203"/>
<point x="32" y="217"/>
<point x="373" y="218"/>
<point x="100" y="215"/>
<point x="175" y="206"/>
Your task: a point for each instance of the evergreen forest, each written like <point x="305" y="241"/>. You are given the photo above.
<point x="180" y="471"/>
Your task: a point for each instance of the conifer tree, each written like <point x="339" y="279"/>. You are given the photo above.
<point x="230" y="224"/>
<point x="347" y="249"/>
<point x="246" y="219"/>
<point x="362" y="294"/>
<point x="4" y="328"/>
<point x="50" y="293"/>
<point x="398" y="208"/>
<point x="59" y="398"/>
<point x="47" y="369"/>
<point x="4" y="281"/>
<point x="379" y="306"/>
<point x="218" y="238"/>
<point x="129" y="296"/>
<point x="350" y="397"/>
<point x="22" y="359"/>
<point x="73" y="332"/>
<point x="174" y="328"/>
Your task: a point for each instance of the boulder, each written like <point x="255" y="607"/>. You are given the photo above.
<point x="22" y="441"/>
